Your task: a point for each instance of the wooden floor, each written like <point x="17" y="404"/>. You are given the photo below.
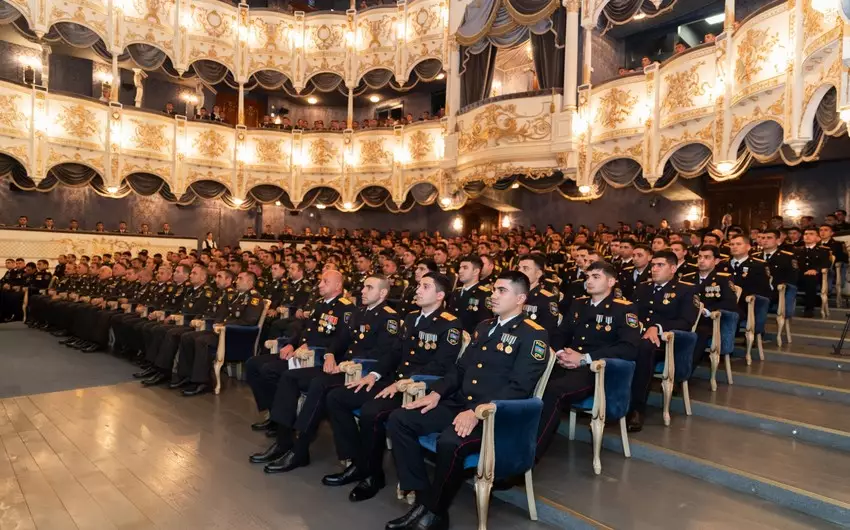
<point x="123" y="456"/>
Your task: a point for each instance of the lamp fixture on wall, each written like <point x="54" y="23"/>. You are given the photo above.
<point x="112" y="189"/>
<point x="374" y="98"/>
<point x="238" y="201"/>
<point x="445" y="201"/>
<point x="506" y="221"/>
<point x="584" y="189"/>
<point x="277" y="203"/>
<point x="457" y="224"/>
<point x="312" y="100"/>
<point x="724" y="168"/>
<point x="792" y="209"/>
<point x="320" y="206"/>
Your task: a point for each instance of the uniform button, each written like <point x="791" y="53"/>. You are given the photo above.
<point x="400" y="376"/>
<point x="584" y="338"/>
<point x="484" y="348"/>
<point x="480" y="365"/>
<point x="651" y="311"/>
<point x="469" y="398"/>
<point x="474" y="381"/>
<point x="412" y="352"/>
<point x="587" y="325"/>
<point x="407" y="364"/>
<point x="581" y="347"/>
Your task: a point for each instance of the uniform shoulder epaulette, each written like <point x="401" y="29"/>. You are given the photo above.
<point x="786" y="252"/>
<point x="485" y="288"/>
<point x="414" y="312"/>
<point x="686" y="283"/>
<point x="448" y="316"/>
<point x="533" y="324"/>
<point x="688" y="274"/>
<point x="723" y="274"/>
<point x="621" y="301"/>
<point x="389" y="309"/>
<point x="628" y="267"/>
<point x="585" y="297"/>
<point x="344" y="301"/>
<point x="724" y="256"/>
<point x="544" y="292"/>
<point x="757" y="259"/>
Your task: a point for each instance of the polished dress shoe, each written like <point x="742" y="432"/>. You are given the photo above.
<point x="287" y="463"/>
<point x="348" y="476"/>
<point x="262" y="425"/>
<point x="268" y="456"/>
<point x="406" y="521"/>
<point x="144" y="374"/>
<point x="59" y="333"/>
<point x="367" y="488"/>
<point x="272" y="433"/>
<point x="200" y="388"/>
<point x="180" y="382"/>
<point x="431" y="521"/>
<point x="91" y="348"/>
<point x="68" y="340"/>
<point x="634" y="422"/>
<point x="155" y="379"/>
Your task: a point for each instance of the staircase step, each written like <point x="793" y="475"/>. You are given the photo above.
<point x="834" y="322"/>
<point x="813" y="421"/>
<point x="631" y="493"/>
<point x="791" y="474"/>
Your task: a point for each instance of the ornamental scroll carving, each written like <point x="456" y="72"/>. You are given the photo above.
<point x="752" y="54"/>
<point x="10" y="117"/>
<point x="420" y="145"/>
<point x="268" y="151"/>
<point x="614" y="107"/>
<point x="79" y="121"/>
<point x="682" y="88"/>
<point x="210" y="144"/>
<point x="372" y="153"/>
<point x="322" y="152"/>
<point x="149" y="136"/>
<point x="498" y="123"/>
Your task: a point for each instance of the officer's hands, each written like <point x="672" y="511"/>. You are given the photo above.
<point x="570" y="358"/>
<point x="330" y="366"/>
<point x="465" y="422"/>
<point x="388" y="393"/>
<point x="300" y="314"/>
<point x="368" y="381"/>
<point x="810" y="272"/>
<point x="426" y="403"/>
<point x="271" y="313"/>
<point x="287" y="352"/>
<point x="652" y="336"/>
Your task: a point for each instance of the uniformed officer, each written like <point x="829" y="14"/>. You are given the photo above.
<point x="751" y="274"/>
<point x="98" y="322"/>
<point x="813" y="259"/>
<point x="136" y="305"/>
<point x="664" y="304"/>
<point x="541" y="305"/>
<point x="197" y="349"/>
<point x="505" y="360"/>
<point x="471" y="301"/>
<point x="293" y="306"/>
<point x="636" y="271"/>
<point x="715" y="290"/>
<point x="11" y="303"/>
<point x="782" y="263"/>
<point x="79" y="319"/>
<point x="358" y="277"/>
<point x="175" y="294"/>
<point x="327" y="334"/>
<point x="408" y="299"/>
<point x="839" y="253"/>
<point x="397" y="286"/>
<point x="428" y="344"/>
<point x="597" y="326"/>
<point x="162" y="341"/>
<point x="681" y="251"/>
<point x="127" y="337"/>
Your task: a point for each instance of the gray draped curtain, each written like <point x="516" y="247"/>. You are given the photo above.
<point x="8" y="13"/>
<point x="504" y="23"/>
<point x="147" y="57"/>
<point x="548" y="52"/>
<point x="210" y="72"/>
<point x="476" y="74"/>
<point x="617" y="12"/>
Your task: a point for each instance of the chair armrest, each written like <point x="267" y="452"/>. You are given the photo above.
<point x="699" y="315"/>
<point x="519" y="417"/>
<point x="669" y="339"/>
<point x="780" y="302"/>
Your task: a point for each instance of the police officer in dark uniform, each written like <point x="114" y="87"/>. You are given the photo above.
<point x="358" y="277"/>
<point x="782" y="263"/>
<point x="277" y="390"/>
<point x="541" y="305"/>
<point x="397" y="285"/>
<point x="715" y="291"/>
<point x="751" y="274"/>
<point x="428" y="344"/>
<point x="144" y="295"/>
<point x="505" y="360"/>
<point x="124" y="288"/>
<point x="681" y="252"/>
<point x="162" y="340"/>
<point x="408" y="298"/>
<point x="664" y="304"/>
<point x="295" y="301"/>
<point x="597" y="326"/>
<point x="81" y="314"/>
<point x="39" y="284"/>
<point x="40" y="305"/>
<point x="812" y="258"/>
<point x="471" y="300"/>
<point x="636" y="271"/>
<point x="175" y="294"/>
<point x="196" y="360"/>
<point x="11" y="303"/>
<point x="126" y="334"/>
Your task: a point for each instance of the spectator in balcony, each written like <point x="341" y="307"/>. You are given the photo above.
<point x="373" y="123"/>
<point x="249" y="233"/>
<point x="622" y="71"/>
<point x="355" y="125"/>
<point x="709" y="38"/>
<point x="169" y="108"/>
<point x="426" y="116"/>
<point x="74" y="225"/>
<point x="203" y="114"/>
<point x="645" y="61"/>
<point x="286" y="124"/>
<point x="166" y="230"/>
<point x="23" y="222"/>
<point x="409" y="117"/>
<point x="48" y="224"/>
<point x="317" y="125"/>
<point x="365" y="124"/>
<point x="122" y="227"/>
<point x="679" y="47"/>
<point x="216" y="114"/>
<point x="145" y="229"/>
<point x="98" y="227"/>
<point x="267" y="122"/>
<point x="442" y="112"/>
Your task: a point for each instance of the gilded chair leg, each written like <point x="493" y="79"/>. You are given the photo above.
<point x="217" y="371"/>
<point x="667" y="390"/>
<point x="597" y="427"/>
<point x="714" y="357"/>
<point x="728" y="369"/>
<point x="760" y="345"/>
<point x="780" y="324"/>
<point x="572" y="425"/>
<point x="750" y="338"/>
<point x="482" y="501"/>
<point x="788" y="330"/>
<point x="686" y="397"/>
<point x="529" y="495"/>
<point x="624" y="435"/>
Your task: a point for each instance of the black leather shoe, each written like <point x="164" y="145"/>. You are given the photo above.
<point x="431" y="521"/>
<point x="68" y="340"/>
<point x="406" y="521"/>
<point x="91" y="348"/>
<point x="59" y="333"/>
<point x="180" y="382"/>
<point x="272" y="433"/>
<point x="287" y="463"/>
<point x="262" y="425"/>
<point x="367" y="488"/>
<point x="634" y="422"/>
<point x="201" y="388"/>
<point x="349" y="476"/>
<point x="268" y="456"/>
<point x="154" y="380"/>
<point x="144" y="374"/>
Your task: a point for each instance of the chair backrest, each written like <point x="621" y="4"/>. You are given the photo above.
<point x="683" y="352"/>
<point x="728" y="327"/>
<point x="762" y="306"/>
<point x="544" y="377"/>
<point x="618" y="384"/>
<point x="790" y="300"/>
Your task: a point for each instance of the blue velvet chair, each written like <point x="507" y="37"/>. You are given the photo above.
<point x="724" y="327"/>
<point x="676" y="367"/>
<point x="507" y="446"/>
<point x="236" y="344"/>
<point x="754" y="325"/>
<point x="610" y="401"/>
<point x="785" y="309"/>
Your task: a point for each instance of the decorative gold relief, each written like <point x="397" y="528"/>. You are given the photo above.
<point x="151" y="10"/>
<point x="79" y="121"/>
<point x="9" y="115"/>
<point x="420" y="145"/>
<point x="498" y="123"/>
<point x="376" y="30"/>
<point x="149" y="136"/>
<point x="372" y="153"/>
<point x="614" y="107"/>
<point x="21" y="152"/>
<point x="704" y="134"/>
<point x="326" y="37"/>
<point x="210" y="144"/>
<point x="214" y="23"/>
<point x="268" y="34"/>
<point x="268" y="151"/>
<point x="752" y="53"/>
<point x="322" y="152"/>
<point x="163" y="171"/>
<point x="682" y="88"/>
<point x="424" y="20"/>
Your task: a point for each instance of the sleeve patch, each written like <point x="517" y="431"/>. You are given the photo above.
<point x="346" y="317"/>
<point x="453" y="337"/>
<point x="553" y="308"/>
<point x="488" y="303"/>
<point x="392" y="326"/>
<point x="255" y="301"/>
<point x="631" y="320"/>
<point x="538" y="350"/>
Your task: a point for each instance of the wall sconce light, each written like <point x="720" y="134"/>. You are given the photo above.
<point x="579" y="125"/>
<point x="105" y="80"/>
<point x="693" y="214"/>
<point x="112" y="189"/>
<point x="439" y="147"/>
<point x="312" y="100"/>
<point x="457" y="224"/>
<point x="793" y="209"/>
<point x="278" y="203"/>
<point x="584" y="189"/>
<point x="347" y="205"/>
<point x="441" y="76"/>
<point x="515" y="186"/>
<point x="296" y="40"/>
<point x="186" y="21"/>
<point x="506" y="221"/>
<point x="640" y="15"/>
<point x="374" y="98"/>
<point x="320" y="206"/>
<point x="724" y="168"/>
<point x="400" y="30"/>
<point x="446" y="201"/>
<point x="277" y="120"/>
<point x="190" y="99"/>
<point x="238" y="201"/>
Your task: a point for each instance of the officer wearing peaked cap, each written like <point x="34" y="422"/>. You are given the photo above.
<point x="504" y="360"/>
<point x="428" y="344"/>
<point x="597" y="326"/>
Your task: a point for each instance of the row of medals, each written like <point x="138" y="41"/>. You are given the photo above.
<point x="324" y="324"/>
<point x="608" y="320"/>
<point x="506" y="343"/>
